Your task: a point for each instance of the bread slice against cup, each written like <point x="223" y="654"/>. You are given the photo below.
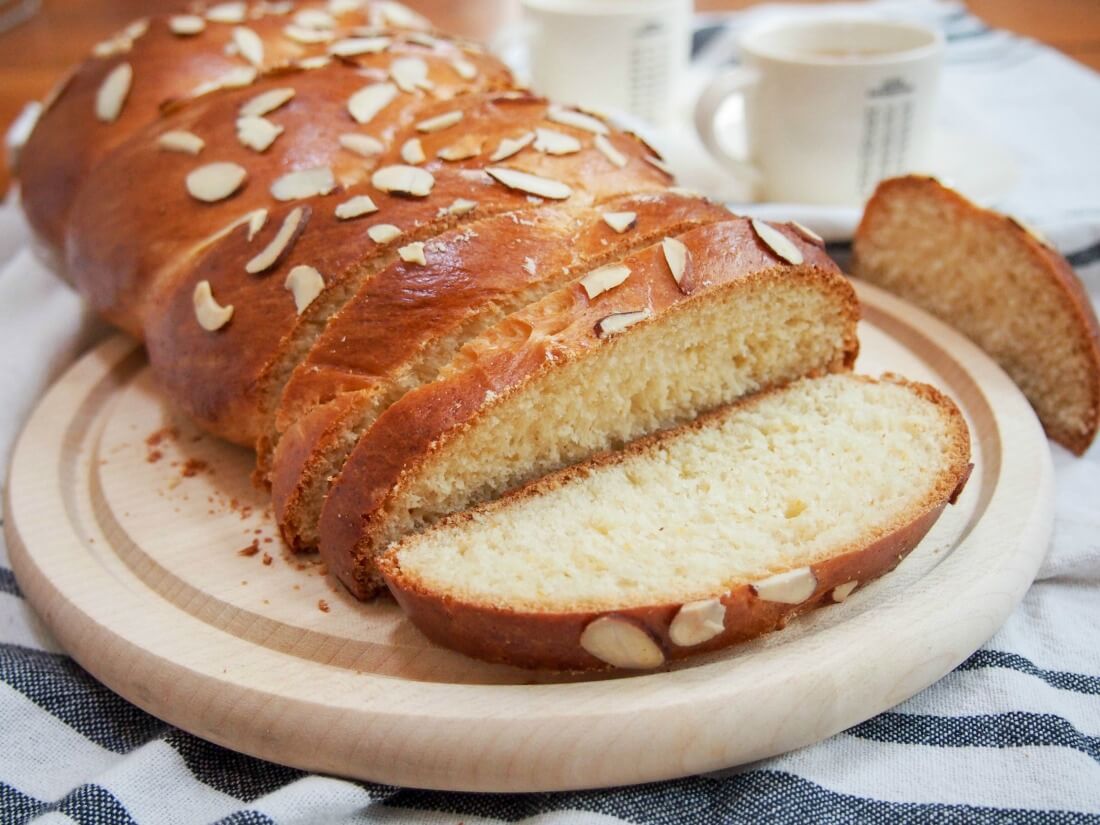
<point x="696" y="538"/>
<point x="998" y="282"/>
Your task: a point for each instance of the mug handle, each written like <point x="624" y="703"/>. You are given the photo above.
<point x="735" y="81"/>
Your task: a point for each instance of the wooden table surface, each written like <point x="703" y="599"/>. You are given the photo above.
<point x="35" y="53"/>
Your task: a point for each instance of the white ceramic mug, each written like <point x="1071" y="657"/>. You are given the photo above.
<point x="832" y="106"/>
<point x="610" y="55"/>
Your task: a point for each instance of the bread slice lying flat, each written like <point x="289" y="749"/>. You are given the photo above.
<point x="999" y="283"/>
<point x="578" y="373"/>
<point x="696" y="538"/>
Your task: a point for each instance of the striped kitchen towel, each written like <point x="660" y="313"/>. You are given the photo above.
<point x="1012" y="735"/>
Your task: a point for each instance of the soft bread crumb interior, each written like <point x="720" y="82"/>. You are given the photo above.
<point x="655" y="375"/>
<point x="970" y="271"/>
<point x="778" y="482"/>
<point x="427" y="362"/>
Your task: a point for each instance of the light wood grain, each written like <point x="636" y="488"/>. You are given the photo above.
<point x="135" y="567"/>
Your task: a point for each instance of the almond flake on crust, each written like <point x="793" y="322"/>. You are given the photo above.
<point x="267" y="257"/>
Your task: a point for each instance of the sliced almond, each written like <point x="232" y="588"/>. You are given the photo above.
<point x="250" y="46"/>
<point x="555" y="143"/>
<point x="608" y="150"/>
<point x="355" y="207"/>
<point x="410" y="74"/>
<point x="685" y="192"/>
<point x="342" y="7"/>
<point x="215" y="181"/>
<point x="510" y="146"/>
<point x="119" y="44"/>
<point x="422" y="39"/>
<point x="363" y="145"/>
<point x="405" y="180"/>
<point x="136" y="29"/>
<point x="621" y="643"/>
<point x="439" y="122"/>
<point x="578" y="120"/>
<point x="807" y="233"/>
<point x="791" y="587"/>
<point x="112" y="93"/>
<point x="257" y="133"/>
<point x="226" y="13"/>
<point x="777" y="242"/>
<point x="353" y="46"/>
<point x="370" y="100"/>
<point x="267" y="257"/>
<point x="462" y="207"/>
<point x="209" y="313"/>
<point x="256" y="220"/>
<point x="383" y="233"/>
<point x="278" y="8"/>
<point x="617" y="322"/>
<point x="532" y="184"/>
<point x="657" y="163"/>
<point x="464" y="68"/>
<point x="697" y="622"/>
<point x="412" y="151"/>
<point x="304" y="183"/>
<point x="233" y="79"/>
<point x="266" y="102"/>
<point x="842" y="591"/>
<point x="314" y="19"/>
<point x="306" y="36"/>
<point x="399" y="16"/>
<point x="317" y="61"/>
<point x="413" y="253"/>
<point x="620" y="221"/>
<point x="186" y="25"/>
<point x="178" y="141"/>
<point x="676" y="256"/>
<point x="305" y="284"/>
<point x="599" y="281"/>
<point x="466" y="147"/>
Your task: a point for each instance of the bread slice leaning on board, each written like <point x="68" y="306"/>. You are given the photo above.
<point x="721" y="530"/>
<point x="999" y="282"/>
<point x="353" y="244"/>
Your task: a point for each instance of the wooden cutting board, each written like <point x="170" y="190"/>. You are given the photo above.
<point x="143" y="545"/>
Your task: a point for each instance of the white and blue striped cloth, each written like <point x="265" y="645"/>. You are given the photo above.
<point x="1013" y="735"/>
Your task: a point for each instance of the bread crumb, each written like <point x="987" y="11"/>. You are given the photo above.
<point x="251" y="550"/>
<point x="154" y="456"/>
<point x="322" y="605"/>
<point x="192" y="467"/>
<point x="267" y="559"/>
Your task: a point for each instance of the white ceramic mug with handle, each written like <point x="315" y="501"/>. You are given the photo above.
<point x="611" y="55"/>
<point x="832" y="106"/>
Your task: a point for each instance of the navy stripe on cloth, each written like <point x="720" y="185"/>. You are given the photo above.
<point x="246" y="818"/>
<point x="1063" y="680"/>
<point x="60" y="686"/>
<point x="1086" y="256"/>
<point x="775" y="797"/>
<point x="1016" y="729"/>
<point x="86" y="804"/>
<point x="8" y="584"/>
<point x="242" y="777"/>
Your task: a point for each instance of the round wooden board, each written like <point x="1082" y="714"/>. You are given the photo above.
<point x="125" y="526"/>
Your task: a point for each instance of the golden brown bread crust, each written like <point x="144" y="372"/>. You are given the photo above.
<point x="551" y="640"/>
<point x="558" y="330"/>
<point x="138" y="191"/>
<point x="395" y="317"/>
<point x="167" y="68"/>
<point x="229" y="380"/>
<point x="1075" y="302"/>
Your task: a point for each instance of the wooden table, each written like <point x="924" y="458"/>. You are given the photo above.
<point x="34" y="54"/>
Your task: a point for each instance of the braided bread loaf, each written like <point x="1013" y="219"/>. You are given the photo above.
<point x="353" y="244"/>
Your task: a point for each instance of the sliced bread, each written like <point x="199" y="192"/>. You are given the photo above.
<point x="998" y="282"/>
<point x="409" y="321"/>
<point x="696" y="538"/>
<point x="695" y="323"/>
